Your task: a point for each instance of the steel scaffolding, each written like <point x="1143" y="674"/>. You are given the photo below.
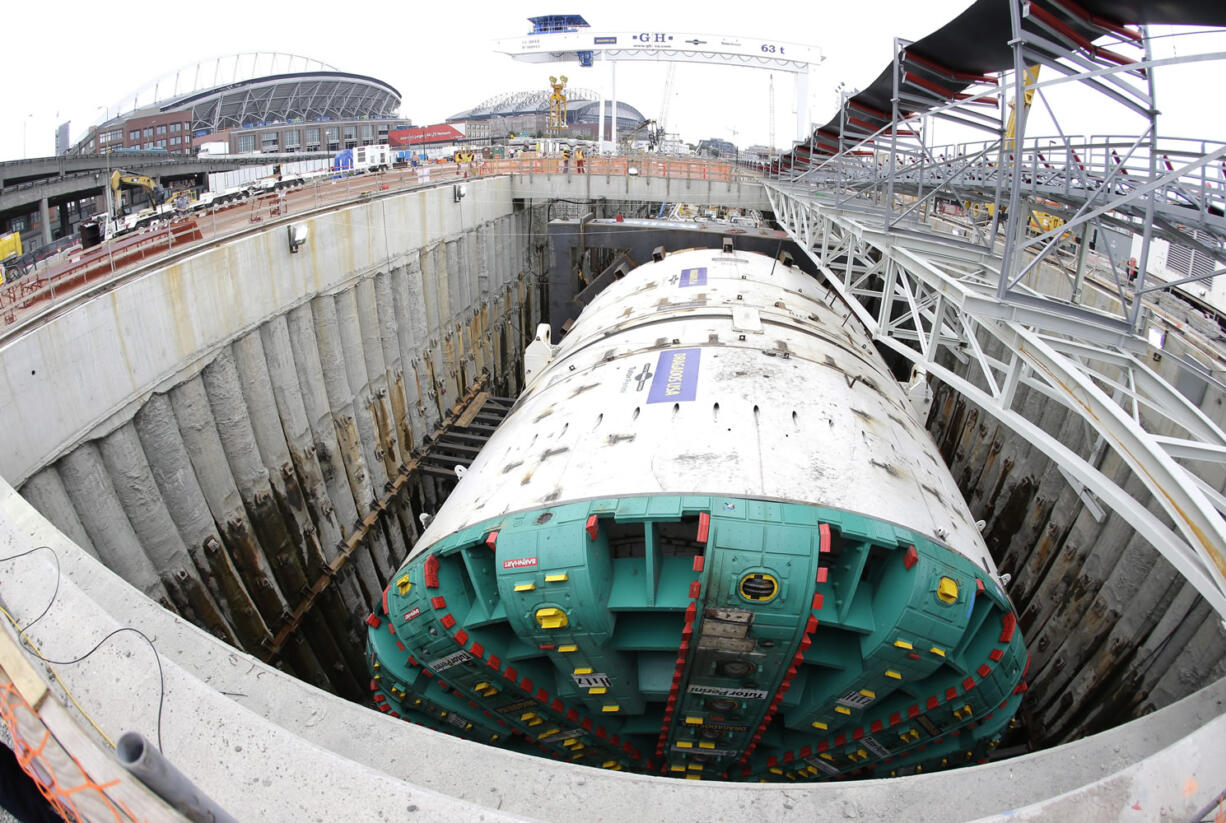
<point x="970" y="259"/>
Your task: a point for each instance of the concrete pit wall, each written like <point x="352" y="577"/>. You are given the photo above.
<point x="246" y="408"/>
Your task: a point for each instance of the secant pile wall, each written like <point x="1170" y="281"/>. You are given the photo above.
<point x="215" y="429"/>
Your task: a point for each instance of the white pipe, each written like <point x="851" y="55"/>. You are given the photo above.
<point x="801" y="87"/>
<point x="600" y="141"/>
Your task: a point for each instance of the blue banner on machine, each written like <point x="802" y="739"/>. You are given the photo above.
<point x="694" y="277"/>
<point x="676" y="377"/>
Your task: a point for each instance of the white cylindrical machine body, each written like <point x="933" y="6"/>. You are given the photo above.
<point x="717" y="373"/>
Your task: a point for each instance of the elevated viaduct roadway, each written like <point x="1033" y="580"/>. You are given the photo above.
<point x="14" y="173"/>
<point x="41" y="182"/>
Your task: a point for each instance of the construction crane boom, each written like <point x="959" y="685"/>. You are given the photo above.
<point x="662" y="118"/>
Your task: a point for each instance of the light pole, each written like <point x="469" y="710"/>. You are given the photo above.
<point x="99" y="128"/>
<point x="24" y="123"/>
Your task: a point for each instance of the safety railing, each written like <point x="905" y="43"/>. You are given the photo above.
<point x="1191" y="170"/>
<point x="643" y="165"/>
<point x="95" y="264"/>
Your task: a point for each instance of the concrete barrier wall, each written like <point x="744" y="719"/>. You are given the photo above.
<point x="61" y="380"/>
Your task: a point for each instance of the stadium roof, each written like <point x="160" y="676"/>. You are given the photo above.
<point x="260" y="87"/>
<point x="581" y="104"/>
<point x="307" y="96"/>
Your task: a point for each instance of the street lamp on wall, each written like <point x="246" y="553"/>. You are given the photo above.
<point x="297" y="236"/>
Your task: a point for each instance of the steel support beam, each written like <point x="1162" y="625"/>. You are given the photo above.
<point x="1068" y="356"/>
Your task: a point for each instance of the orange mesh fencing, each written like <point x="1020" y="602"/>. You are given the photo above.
<point x="60" y="778"/>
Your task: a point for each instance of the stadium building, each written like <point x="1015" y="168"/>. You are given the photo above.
<point x="527" y="113"/>
<point x="254" y="102"/>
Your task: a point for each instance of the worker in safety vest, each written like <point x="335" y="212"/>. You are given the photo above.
<point x="579" y="160"/>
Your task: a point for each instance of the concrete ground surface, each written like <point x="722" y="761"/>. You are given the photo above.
<point x="265" y="745"/>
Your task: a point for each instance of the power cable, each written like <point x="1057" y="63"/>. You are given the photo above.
<point x="34" y="650"/>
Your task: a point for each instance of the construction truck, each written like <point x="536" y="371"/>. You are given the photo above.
<point x="113" y="222"/>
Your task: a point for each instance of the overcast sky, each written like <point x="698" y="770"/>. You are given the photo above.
<point x="441" y="58"/>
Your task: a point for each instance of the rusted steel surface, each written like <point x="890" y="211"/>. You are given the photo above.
<point x="463" y="441"/>
<point x="472" y="398"/>
<point x="472" y="410"/>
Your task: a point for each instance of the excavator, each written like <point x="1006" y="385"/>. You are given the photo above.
<point x="121" y="179"/>
<point x="627" y="138"/>
<point x="1040" y="221"/>
<point x="113" y="222"/>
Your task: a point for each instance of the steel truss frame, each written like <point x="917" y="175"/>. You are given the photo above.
<point x="929" y="286"/>
<point x="921" y="298"/>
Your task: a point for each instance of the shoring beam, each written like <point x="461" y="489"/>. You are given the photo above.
<point x="473" y="396"/>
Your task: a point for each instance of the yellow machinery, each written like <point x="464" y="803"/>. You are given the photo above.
<point x="121" y="179"/>
<point x="1032" y="77"/>
<point x="557" y="104"/>
<point x="10" y="247"/>
<point x="627" y="138"/>
<point x="1040" y="222"/>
